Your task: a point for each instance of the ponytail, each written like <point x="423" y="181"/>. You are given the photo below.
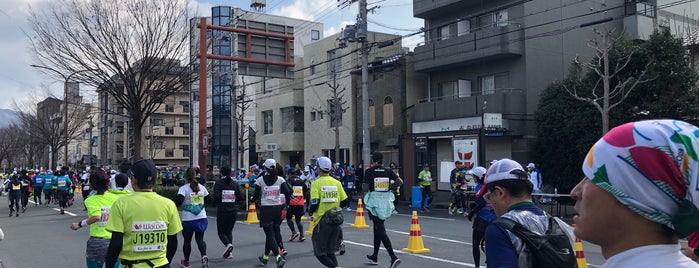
<point x="192" y="177"/>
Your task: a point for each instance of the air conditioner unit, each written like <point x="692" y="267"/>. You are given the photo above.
<point x="270" y="146"/>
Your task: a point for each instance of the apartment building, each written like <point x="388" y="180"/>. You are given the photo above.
<point x="487" y="61"/>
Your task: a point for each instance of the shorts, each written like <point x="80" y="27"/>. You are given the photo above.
<point x="197" y="226"/>
<point x="96" y="249"/>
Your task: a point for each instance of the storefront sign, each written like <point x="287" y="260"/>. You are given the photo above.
<point x="421" y="144"/>
<point x="466" y="151"/>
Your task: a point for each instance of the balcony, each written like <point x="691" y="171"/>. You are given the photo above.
<point x="430" y="8"/>
<point x="505" y="101"/>
<point x="484" y="45"/>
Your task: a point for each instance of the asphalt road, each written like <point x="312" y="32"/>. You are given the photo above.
<point x="41" y="237"/>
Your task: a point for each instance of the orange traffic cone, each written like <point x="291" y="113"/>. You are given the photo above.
<point x="579" y="253"/>
<point x="310" y="227"/>
<point x="252" y="215"/>
<point x="359" y="220"/>
<point x="415" y="244"/>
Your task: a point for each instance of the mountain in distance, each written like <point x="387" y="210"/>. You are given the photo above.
<point x="7" y="117"/>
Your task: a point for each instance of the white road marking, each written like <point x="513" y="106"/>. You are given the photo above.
<point x="59" y="210"/>
<point x="416" y="255"/>
<point x="427" y="217"/>
<point x="433" y="237"/>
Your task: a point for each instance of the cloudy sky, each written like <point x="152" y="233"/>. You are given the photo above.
<point x="20" y="82"/>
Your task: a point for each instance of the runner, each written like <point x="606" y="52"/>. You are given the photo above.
<point x="24" y="182"/>
<point x="14" y="188"/>
<point x="484" y="214"/>
<point x="144" y="225"/>
<point x="63" y="185"/>
<point x="425" y="181"/>
<point x="378" y="201"/>
<point x="85" y="185"/>
<point x="38" y="184"/>
<point x="268" y="190"/>
<point x="326" y="195"/>
<point x="49" y="180"/>
<point x="300" y="194"/>
<point x="194" y="222"/>
<point x="227" y="196"/>
<point x="98" y="206"/>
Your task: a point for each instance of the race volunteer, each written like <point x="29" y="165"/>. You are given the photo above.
<point x="144" y="225"/>
<point x="326" y="194"/>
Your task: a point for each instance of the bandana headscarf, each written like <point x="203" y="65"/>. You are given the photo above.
<point x="652" y="168"/>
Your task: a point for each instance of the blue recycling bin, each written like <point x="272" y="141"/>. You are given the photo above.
<point x="417" y="197"/>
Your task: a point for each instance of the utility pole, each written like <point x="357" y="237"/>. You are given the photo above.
<point x="361" y="36"/>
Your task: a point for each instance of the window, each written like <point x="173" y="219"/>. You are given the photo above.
<point x="185" y="106"/>
<point x="334" y="64"/>
<point x="490" y="83"/>
<point x="372" y="113"/>
<point x="388" y="111"/>
<point x="501" y="18"/>
<point x="169" y="153"/>
<point x="120" y="110"/>
<point x="313" y="116"/>
<point x="120" y="129"/>
<point x="335" y="110"/>
<point x="185" y="150"/>
<point x="464" y="88"/>
<point x="344" y="155"/>
<point x="169" y="108"/>
<point x="292" y="119"/>
<point x="169" y="130"/>
<point x="446" y="90"/>
<point x="267" y="122"/>
<point x="378" y="76"/>
<point x="463" y="27"/>
<point x="315" y="35"/>
<point x="157" y="122"/>
<point x="158" y="145"/>
<point x="120" y="147"/>
<point x="185" y="128"/>
<point x="313" y="69"/>
<point x="485" y="21"/>
<point x="443" y="33"/>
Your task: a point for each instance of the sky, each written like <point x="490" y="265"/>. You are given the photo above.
<point x="20" y="83"/>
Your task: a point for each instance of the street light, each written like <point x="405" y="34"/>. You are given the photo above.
<point x="65" y="101"/>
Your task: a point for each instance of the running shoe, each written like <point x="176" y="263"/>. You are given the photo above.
<point x="293" y="236"/>
<point x="373" y="260"/>
<point x="394" y="212"/>
<point x="422" y="210"/>
<point x="342" y="248"/>
<point x="283" y="252"/>
<point x="395" y="263"/>
<point x="228" y="254"/>
<point x="348" y="209"/>
<point x="205" y="262"/>
<point x="185" y="264"/>
<point x="427" y="210"/>
<point x="262" y="260"/>
<point x="302" y="238"/>
<point x="450" y="211"/>
<point x="460" y="211"/>
<point x="280" y="262"/>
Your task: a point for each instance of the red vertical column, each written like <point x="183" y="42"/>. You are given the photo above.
<point x="202" y="94"/>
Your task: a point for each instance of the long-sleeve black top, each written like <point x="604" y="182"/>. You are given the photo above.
<point x="227" y="183"/>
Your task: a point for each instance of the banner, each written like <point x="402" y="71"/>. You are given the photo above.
<point x="466" y="151"/>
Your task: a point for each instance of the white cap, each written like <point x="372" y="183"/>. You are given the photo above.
<point x="478" y="171"/>
<point x="503" y="170"/>
<point x="112" y="171"/>
<point x="270" y="163"/>
<point x="324" y="163"/>
<point x="306" y="169"/>
<point x="531" y="165"/>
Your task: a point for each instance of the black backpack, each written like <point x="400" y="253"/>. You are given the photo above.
<point x="550" y="250"/>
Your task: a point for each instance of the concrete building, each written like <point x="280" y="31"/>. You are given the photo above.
<point x="225" y="85"/>
<point x="487" y="61"/>
<point x="165" y="136"/>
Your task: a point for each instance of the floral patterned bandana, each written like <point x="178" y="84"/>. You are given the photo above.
<point x="652" y="168"/>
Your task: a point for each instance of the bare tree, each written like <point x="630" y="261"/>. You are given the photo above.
<point x="151" y="140"/>
<point x="609" y="97"/>
<point x="336" y="106"/>
<point x="45" y="123"/>
<point x="242" y="105"/>
<point x="130" y="49"/>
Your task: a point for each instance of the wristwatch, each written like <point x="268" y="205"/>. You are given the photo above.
<point x="80" y="224"/>
<point x="696" y="251"/>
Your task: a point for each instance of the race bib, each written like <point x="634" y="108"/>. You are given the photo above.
<point x="39" y="180"/>
<point x="104" y="216"/>
<point x="270" y="192"/>
<point x="381" y="184"/>
<point x="148" y="236"/>
<point x="61" y="183"/>
<point x="195" y="199"/>
<point x="298" y="190"/>
<point x="228" y="196"/>
<point x="350" y="185"/>
<point x="16" y="187"/>
<point x="86" y="187"/>
<point x="427" y="178"/>
<point x="328" y="194"/>
<point x="48" y="181"/>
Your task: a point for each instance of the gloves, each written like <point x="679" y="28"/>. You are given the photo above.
<point x="470" y="216"/>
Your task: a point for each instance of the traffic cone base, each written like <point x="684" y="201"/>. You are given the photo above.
<point x="304" y="218"/>
<point x="359" y="220"/>
<point x="252" y="215"/>
<point x="415" y="243"/>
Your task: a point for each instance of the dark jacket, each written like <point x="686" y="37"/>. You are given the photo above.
<point x="296" y="181"/>
<point x="227" y="183"/>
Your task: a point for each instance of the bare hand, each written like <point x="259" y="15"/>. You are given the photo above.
<point x="74" y="226"/>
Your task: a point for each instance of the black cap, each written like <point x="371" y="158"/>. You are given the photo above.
<point x="376" y="156"/>
<point x="121" y="180"/>
<point x="144" y="170"/>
